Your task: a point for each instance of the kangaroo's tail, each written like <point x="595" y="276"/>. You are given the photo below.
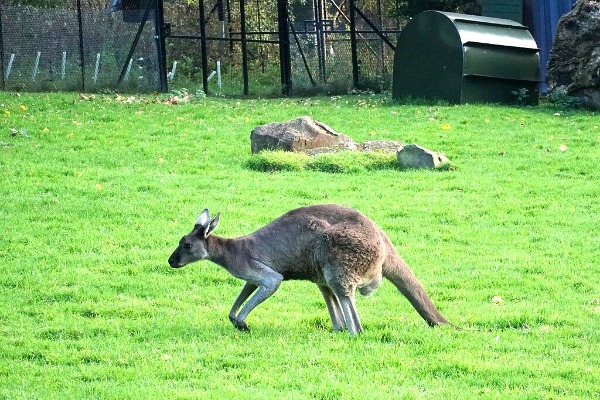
<point x="396" y="270"/>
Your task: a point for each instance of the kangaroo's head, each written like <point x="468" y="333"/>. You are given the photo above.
<point x="192" y="247"/>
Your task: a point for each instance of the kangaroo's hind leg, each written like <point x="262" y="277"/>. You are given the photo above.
<point x="346" y="299"/>
<point x="335" y="310"/>
<point x="350" y="314"/>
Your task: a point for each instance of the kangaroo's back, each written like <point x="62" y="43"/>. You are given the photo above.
<point x="290" y="243"/>
<point x="312" y="218"/>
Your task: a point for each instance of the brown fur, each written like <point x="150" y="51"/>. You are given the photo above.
<point x="336" y="247"/>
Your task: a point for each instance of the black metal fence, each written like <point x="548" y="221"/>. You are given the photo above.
<point x="246" y="38"/>
<point x="218" y="46"/>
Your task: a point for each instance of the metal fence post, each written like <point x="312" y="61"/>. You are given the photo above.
<point x="159" y="36"/>
<point x="203" y="46"/>
<point x="81" y="51"/>
<point x="285" y="62"/>
<point x="355" y="69"/>
<point x="244" y="45"/>
<point x="2" y="52"/>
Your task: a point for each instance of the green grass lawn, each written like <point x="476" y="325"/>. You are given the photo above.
<point x="95" y="195"/>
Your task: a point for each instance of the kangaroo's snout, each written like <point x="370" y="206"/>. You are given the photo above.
<point x="174" y="261"/>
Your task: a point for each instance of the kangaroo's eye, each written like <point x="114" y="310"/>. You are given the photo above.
<point x="187" y="245"/>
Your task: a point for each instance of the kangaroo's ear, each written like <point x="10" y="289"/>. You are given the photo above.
<point x="212" y="225"/>
<point x="203" y="219"/>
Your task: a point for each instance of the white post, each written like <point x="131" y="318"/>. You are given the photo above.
<point x="64" y="65"/>
<point x="97" y="67"/>
<point x="9" y="67"/>
<point x="219" y="82"/>
<point x="128" y="69"/>
<point x="36" y="65"/>
<point x="172" y="73"/>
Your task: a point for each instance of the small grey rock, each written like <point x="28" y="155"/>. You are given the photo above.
<point x="415" y="156"/>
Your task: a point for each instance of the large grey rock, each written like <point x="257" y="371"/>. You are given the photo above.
<point x="299" y="134"/>
<point x="574" y="63"/>
<point x="415" y="156"/>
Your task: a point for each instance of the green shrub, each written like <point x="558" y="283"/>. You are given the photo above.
<point x="352" y="162"/>
<point x="561" y="97"/>
<point x="332" y="162"/>
<point x="270" y="161"/>
<point x="339" y="162"/>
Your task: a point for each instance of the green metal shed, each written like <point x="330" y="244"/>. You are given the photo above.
<point x="466" y="59"/>
<point x="508" y="9"/>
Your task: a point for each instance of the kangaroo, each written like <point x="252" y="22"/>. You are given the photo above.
<point x="336" y="247"/>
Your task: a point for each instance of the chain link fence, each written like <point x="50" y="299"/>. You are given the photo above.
<point x="323" y="36"/>
<point x="79" y="46"/>
<point x="75" y="47"/>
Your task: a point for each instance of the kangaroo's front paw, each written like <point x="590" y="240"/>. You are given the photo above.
<point x="241" y="325"/>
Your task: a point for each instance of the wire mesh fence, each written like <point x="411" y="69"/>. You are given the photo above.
<point x="323" y="37"/>
<point x="77" y="46"/>
<point x="80" y="46"/>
